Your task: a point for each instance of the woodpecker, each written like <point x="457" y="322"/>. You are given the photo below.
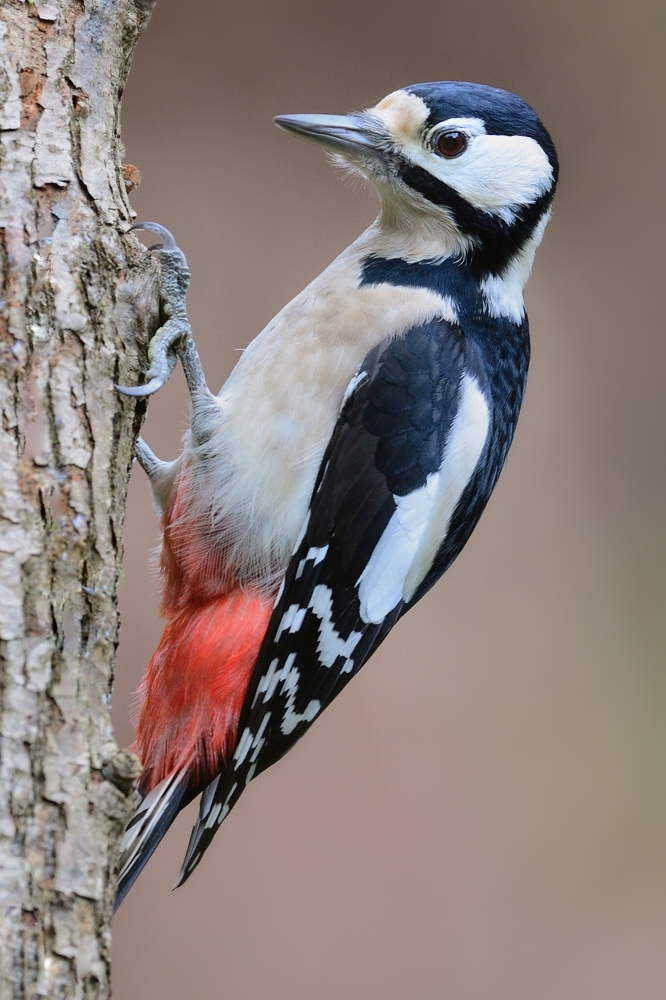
<point x="347" y="459"/>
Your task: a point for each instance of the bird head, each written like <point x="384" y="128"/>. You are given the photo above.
<point x="470" y="160"/>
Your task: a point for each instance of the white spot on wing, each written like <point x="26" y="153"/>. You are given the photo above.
<point x="259" y="738"/>
<point x="268" y="682"/>
<point x="194" y="861"/>
<point x="291" y="719"/>
<point x="208" y="796"/>
<point x="315" y="555"/>
<point x="226" y="807"/>
<point x="331" y="645"/>
<point x="244" y="744"/>
<point x="292" y="620"/>
<point x="214" y="813"/>
<point x="255" y="742"/>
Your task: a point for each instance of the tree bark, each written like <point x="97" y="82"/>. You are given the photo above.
<point x="79" y="303"/>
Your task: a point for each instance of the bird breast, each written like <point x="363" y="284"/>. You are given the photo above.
<point x="276" y="413"/>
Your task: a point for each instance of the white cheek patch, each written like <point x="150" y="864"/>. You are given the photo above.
<point x="495" y="173"/>
<point x="409" y="543"/>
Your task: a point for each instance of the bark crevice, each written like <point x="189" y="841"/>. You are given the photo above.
<point x="78" y="304"/>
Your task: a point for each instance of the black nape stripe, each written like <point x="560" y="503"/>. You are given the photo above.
<point x="450" y="277"/>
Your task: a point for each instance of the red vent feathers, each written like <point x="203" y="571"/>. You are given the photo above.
<point x="193" y="689"/>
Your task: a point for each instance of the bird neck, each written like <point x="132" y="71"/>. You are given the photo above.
<point x="424" y="255"/>
<point x="414" y="232"/>
<point x="491" y="244"/>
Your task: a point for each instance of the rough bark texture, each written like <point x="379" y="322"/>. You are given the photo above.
<point x="79" y="301"/>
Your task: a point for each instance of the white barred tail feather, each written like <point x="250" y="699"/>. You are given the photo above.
<point x="150" y="822"/>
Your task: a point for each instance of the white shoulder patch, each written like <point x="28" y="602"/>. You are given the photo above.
<point x="381" y="582"/>
<point x="410" y="541"/>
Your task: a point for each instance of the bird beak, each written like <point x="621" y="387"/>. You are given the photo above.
<point x="336" y="133"/>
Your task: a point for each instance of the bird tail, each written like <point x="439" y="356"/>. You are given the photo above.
<point x="190" y="703"/>
<point x="146" y="828"/>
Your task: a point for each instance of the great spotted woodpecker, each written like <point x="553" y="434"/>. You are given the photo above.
<point x="346" y="461"/>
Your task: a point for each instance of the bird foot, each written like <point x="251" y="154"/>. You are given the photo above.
<point x="174" y="339"/>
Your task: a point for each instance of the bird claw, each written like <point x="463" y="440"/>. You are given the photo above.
<point x="167" y="244"/>
<point x="140" y="390"/>
<point x="174" y="338"/>
<point x="167" y="238"/>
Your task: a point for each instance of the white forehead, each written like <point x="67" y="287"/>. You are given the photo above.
<point x="403" y="114"/>
<point x="495" y="173"/>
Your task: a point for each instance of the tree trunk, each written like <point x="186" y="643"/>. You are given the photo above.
<point x="79" y="302"/>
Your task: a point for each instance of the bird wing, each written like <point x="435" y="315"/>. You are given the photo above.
<point x="412" y="429"/>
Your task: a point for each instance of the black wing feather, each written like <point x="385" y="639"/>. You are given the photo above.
<point x="390" y="436"/>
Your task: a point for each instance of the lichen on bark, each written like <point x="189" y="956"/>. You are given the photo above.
<point x="78" y="303"/>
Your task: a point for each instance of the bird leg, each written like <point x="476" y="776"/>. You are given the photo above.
<point x="174" y="339"/>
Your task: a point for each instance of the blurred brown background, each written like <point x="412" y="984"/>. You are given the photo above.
<point x="482" y="814"/>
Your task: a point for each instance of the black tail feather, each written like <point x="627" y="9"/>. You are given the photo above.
<point x="150" y="822"/>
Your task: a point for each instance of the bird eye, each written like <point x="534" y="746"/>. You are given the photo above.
<point x="451" y="143"/>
